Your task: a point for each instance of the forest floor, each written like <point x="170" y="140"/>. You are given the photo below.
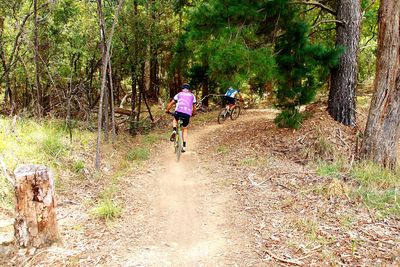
<point x="242" y="195"/>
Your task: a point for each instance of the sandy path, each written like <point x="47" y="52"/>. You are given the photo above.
<point x="188" y="217"/>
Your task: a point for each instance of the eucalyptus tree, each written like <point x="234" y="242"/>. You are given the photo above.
<point x="382" y="133"/>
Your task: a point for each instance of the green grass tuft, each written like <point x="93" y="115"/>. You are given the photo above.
<point x="223" y="150"/>
<point x="53" y="146"/>
<point x="371" y="175"/>
<point x="150" y="139"/>
<point x="107" y="209"/>
<point x="329" y="169"/>
<point x="289" y="119"/>
<point x="78" y="166"/>
<point x="248" y="161"/>
<point x="378" y="188"/>
<point x="139" y="153"/>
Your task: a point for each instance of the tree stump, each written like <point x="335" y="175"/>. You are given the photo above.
<point x="35" y="224"/>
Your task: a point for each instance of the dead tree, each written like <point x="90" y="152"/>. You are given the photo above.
<point x="35" y="224"/>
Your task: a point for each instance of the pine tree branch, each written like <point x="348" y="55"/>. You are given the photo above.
<point x="318" y="4"/>
<point x="328" y="21"/>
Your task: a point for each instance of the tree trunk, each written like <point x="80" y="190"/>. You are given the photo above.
<point x="36" y="222"/>
<point x="36" y="59"/>
<point x="7" y="92"/>
<point x="112" y="109"/>
<point x="382" y="132"/>
<point x="341" y="103"/>
<point x="104" y="72"/>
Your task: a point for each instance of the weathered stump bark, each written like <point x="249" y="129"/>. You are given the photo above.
<point x="36" y="223"/>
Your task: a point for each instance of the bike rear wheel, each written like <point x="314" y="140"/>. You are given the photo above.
<point x="178" y="145"/>
<point x="235" y="113"/>
<point x="222" y="116"/>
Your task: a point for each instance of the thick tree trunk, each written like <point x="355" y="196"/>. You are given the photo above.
<point x="35" y="224"/>
<point x="382" y="132"/>
<point x="341" y="103"/>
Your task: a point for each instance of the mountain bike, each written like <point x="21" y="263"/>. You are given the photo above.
<point x="228" y="112"/>
<point x="178" y="142"/>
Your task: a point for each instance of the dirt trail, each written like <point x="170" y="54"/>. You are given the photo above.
<point x="188" y="217"/>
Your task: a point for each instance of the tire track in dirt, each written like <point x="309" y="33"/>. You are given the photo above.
<point x="189" y="216"/>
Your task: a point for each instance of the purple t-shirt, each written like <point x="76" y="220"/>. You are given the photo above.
<point x="184" y="102"/>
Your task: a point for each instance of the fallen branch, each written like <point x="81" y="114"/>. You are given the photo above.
<point x="252" y="182"/>
<point x="339" y="135"/>
<point x="295" y="262"/>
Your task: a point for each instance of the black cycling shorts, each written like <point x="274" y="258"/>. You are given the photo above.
<point x="184" y="117"/>
<point x="230" y="100"/>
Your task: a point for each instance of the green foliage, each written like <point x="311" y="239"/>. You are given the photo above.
<point x="289" y="119"/>
<point x="249" y="161"/>
<point x="53" y="146"/>
<point x="329" y="169"/>
<point x="107" y="209"/>
<point x="303" y="66"/>
<point x="150" y="139"/>
<point x="142" y="126"/>
<point x="138" y="154"/>
<point x="78" y="166"/>
<point x="371" y="176"/>
<point x="223" y="150"/>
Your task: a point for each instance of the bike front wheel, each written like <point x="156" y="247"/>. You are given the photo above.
<point x="222" y="116"/>
<point x="235" y="113"/>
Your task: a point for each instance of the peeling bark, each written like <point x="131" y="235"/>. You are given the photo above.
<point x="36" y="223"/>
<point x="382" y="133"/>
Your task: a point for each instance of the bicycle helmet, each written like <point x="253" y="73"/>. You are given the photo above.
<point x="186" y="86"/>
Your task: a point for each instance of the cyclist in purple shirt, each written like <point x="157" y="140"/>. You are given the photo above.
<point x="185" y="108"/>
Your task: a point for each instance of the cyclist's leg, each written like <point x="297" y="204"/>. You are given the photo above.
<point x="185" y="122"/>
<point x="231" y="102"/>
<point x="174" y="125"/>
<point x="184" y="134"/>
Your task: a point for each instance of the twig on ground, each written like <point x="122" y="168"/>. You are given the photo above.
<point x="375" y="238"/>
<point x="252" y="182"/>
<point x="339" y="135"/>
<point x="295" y="262"/>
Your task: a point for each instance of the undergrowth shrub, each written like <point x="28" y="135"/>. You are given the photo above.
<point x="139" y="153"/>
<point x="150" y="139"/>
<point x="78" y="166"/>
<point x="142" y="126"/>
<point x="289" y="119"/>
<point x="54" y="146"/>
<point x="377" y="187"/>
<point x="106" y="208"/>
<point x="320" y="150"/>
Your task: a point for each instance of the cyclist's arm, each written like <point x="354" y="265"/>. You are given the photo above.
<point x="169" y="106"/>
<point x="194" y="109"/>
